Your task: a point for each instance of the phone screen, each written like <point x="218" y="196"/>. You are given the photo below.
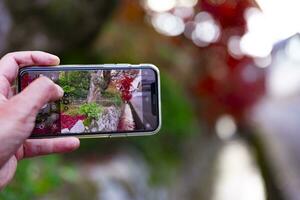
<point x="97" y="101"/>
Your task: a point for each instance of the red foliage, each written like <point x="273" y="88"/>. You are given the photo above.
<point x="26" y="80"/>
<point x="234" y="94"/>
<point x="68" y="121"/>
<point x="65" y="121"/>
<point x="229" y="13"/>
<point x="240" y="84"/>
<point x="124" y="87"/>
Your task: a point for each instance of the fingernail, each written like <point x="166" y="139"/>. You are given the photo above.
<point x="72" y="143"/>
<point x="60" y="90"/>
<point x="54" y="58"/>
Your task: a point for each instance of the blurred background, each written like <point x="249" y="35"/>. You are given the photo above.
<point x="230" y="94"/>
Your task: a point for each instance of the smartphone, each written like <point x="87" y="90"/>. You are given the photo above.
<point x="110" y="100"/>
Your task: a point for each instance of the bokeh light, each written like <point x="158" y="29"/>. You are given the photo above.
<point x="225" y="127"/>
<point x="187" y="3"/>
<point x="257" y="41"/>
<point x="275" y="22"/>
<point x="206" y="31"/>
<point x="172" y="18"/>
<point x="161" y="6"/>
<point x="184" y="12"/>
<point x="234" y="47"/>
<point x="166" y="5"/>
<point x="263" y="62"/>
<point x="253" y="44"/>
<point x="283" y="17"/>
<point x="168" y="24"/>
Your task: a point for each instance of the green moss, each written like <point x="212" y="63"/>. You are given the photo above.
<point x="113" y="96"/>
<point x="91" y="110"/>
<point x="72" y="111"/>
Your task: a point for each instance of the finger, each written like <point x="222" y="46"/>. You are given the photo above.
<point x="38" y="147"/>
<point x="34" y="96"/>
<point x="4" y="88"/>
<point x="7" y="172"/>
<point x="11" y="62"/>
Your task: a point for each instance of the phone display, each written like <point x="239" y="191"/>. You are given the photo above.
<point x="97" y="100"/>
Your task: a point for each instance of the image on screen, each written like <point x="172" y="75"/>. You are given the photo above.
<point x="97" y="101"/>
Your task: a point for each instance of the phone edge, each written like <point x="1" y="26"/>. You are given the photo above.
<point x="109" y="135"/>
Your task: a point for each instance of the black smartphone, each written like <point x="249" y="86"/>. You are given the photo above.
<point x="109" y="100"/>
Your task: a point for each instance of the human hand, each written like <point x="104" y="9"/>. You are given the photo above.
<point x="18" y="113"/>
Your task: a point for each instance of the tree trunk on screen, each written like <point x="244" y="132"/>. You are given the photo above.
<point x="99" y="83"/>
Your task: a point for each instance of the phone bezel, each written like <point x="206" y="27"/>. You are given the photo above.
<point x="99" y="67"/>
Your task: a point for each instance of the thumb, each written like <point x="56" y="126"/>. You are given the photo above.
<point x="17" y="116"/>
<point x="35" y="96"/>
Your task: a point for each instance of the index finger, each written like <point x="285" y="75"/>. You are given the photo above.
<point x="38" y="147"/>
<point x="11" y="62"/>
